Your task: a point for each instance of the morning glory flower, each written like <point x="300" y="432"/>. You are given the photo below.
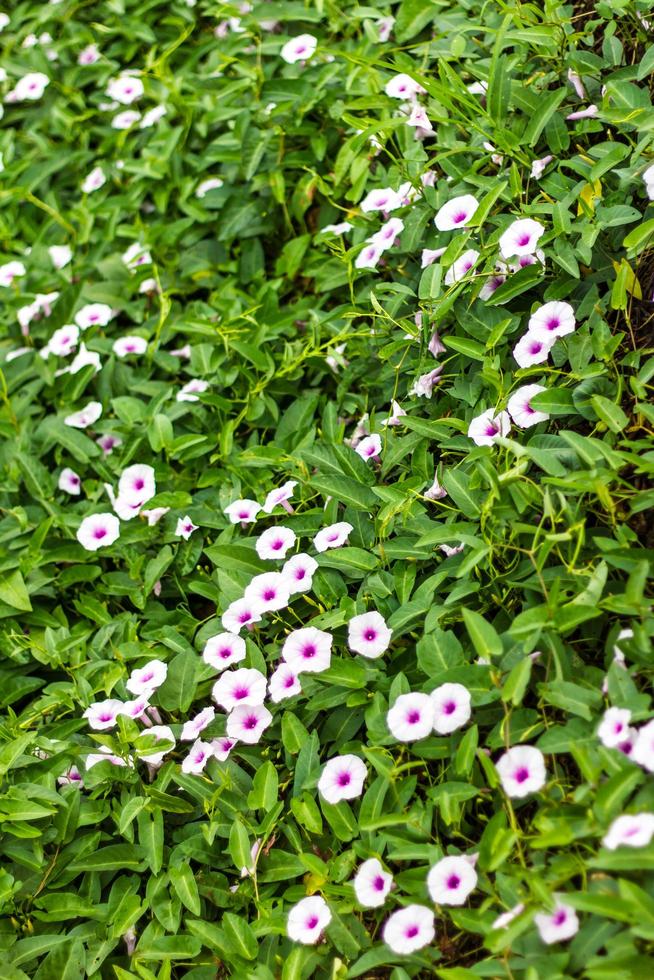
<point x="402" y="86"/>
<point x="102" y="715"/>
<point x="381" y="199"/>
<point x="299" y="48"/>
<point x="342" y="778"/>
<point x="461" y="267"/>
<point x="411" y="717"/>
<point x="190" y="391"/>
<point x="195" y="726"/>
<point x="557" y="926"/>
<point x="10" y="271"/>
<point x="369" y="447"/>
<point x="274" y="542"/>
<point x="614" y="727"/>
<point x="185" y="527"/>
<point x="162" y="733"/>
<point x="94" y="181"/>
<point x="60" y="255"/>
<point x="332" y="537"/>
<point x="242" y="612"/>
<point x="125" y="89"/>
<point x="63" y="341"/>
<point x="242" y="511"/>
<point x="298" y="572"/>
<point x="146" y="680"/>
<point x="372" y="884"/>
<point x="244" y="685"/>
<point x="308" y="650"/>
<point x="451" y="880"/>
<point x="93" y="315"/>
<point x="224" y="649"/>
<point x="531" y="350"/>
<point x="456" y="213"/>
<point x="129" y="345"/>
<point x="270" y="591"/>
<point x="643" y="750"/>
<point x="197" y="758"/>
<point x="520" y="238"/>
<point x="69" y="482"/>
<point x="85" y="417"/>
<point x="485" y="428"/>
<point x="281" y="495"/>
<point x="409" y="929"/>
<point x="451" y="707"/>
<point x="30" y="87"/>
<point x="553" y="319"/>
<point x="368" y="635"/>
<point x="98" y="531"/>
<point x="522" y="771"/>
<point x="284" y="683"/>
<point x="630" y="830"/>
<point x="247" y="723"/>
<point x="307" y="920"/>
<point x="88" y="55"/>
<point x="520" y="410"/>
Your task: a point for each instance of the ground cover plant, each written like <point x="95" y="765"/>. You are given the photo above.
<point x="326" y="370"/>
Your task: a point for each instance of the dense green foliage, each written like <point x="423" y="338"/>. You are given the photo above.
<point x="543" y="615"/>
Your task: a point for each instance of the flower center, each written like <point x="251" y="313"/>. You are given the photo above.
<point x="523" y="240"/>
<point x="312" y="922"/>
<point x="344" y="779"/>
<point x="449" y="707"/>
<point x="453" y="881"/>
<point x="378" y="883"/>
<point x="413" y="717"/>
<point x="309" y="651"/>
<point x="521" y="774"/>
<point x="559" y="917"/>
<point x="240" y="693"/>
<point x="458" y="218"/>
<point x="139" y="484"/>
<point x="99" y="533"/>
<point x="299" y="574"/>
<point x="553" y="323"/>
<point x="535" y="347"/>
<point x="370" y="635"/>
<point x="269" y="595"/>
<point x="411" y="932"/>
<point x="250" y="722"/>
<point x="225" y="653"/>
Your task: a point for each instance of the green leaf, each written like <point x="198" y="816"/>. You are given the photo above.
<point x="346" y="490"/>
<point x="179" y="688"/>
<point x="263" y="794"/>
<point x="183" y="881"/>
<point x="151" y="837"/>
<point x="13" y="591"/>
<point x="111" y="858"/>
<point x="239" y="846"/>
<point x="516" y="683"/>
<point x="165" y="948"/>
<point x="240" y="936"/>
<point x="484" y="637"/>
<point x="546" y="108"/>
<point x="610" y="413"/>
<point x="555" y="401"/>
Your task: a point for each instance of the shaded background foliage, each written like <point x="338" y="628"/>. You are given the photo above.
<point x="557" y="541"/>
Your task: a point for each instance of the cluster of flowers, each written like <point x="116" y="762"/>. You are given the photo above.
<point x="449" y="882"/>
<point x="616" y="732"/>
